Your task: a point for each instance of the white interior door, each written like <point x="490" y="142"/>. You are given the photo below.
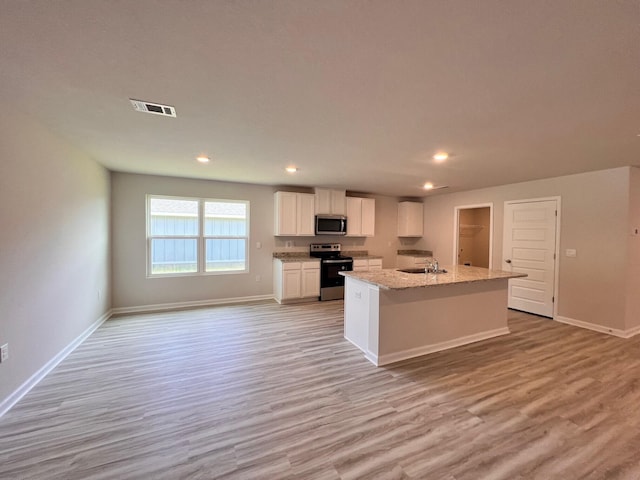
<point x="529" y="247"/>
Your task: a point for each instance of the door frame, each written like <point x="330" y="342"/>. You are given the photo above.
<point x="456" y="228"/>
<point x="556" y="264"/>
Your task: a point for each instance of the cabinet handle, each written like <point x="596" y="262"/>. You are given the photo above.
<point x="508" y="260"/>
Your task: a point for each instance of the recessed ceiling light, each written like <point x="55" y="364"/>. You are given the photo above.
<point x="441" y="156"/>
<point x="202" y="159"/>
<point x="428" y="186"/>
<point x="291" y="169"/>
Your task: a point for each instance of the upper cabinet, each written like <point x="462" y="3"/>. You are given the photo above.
<point x="361" y="217"/>
<point x="330" y="202"/>
<point x="410" y="219"/>
<point x="294" y="214"/>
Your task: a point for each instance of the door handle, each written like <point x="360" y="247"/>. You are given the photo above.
<point x="508" y="260"/>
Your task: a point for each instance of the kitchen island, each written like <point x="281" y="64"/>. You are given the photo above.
<point x="392" y="316"/>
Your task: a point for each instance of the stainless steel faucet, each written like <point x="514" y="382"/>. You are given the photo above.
<point x="433" y="266"/>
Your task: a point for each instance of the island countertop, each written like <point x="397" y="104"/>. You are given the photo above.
<point x="392" y="279"/>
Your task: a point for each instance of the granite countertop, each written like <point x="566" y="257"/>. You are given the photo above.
<point x="416" y="253"/>
<point x="305" y="257"/>
<point x="360" y="256"/>
<point x="294" y="257"/>
<point x="392" y="279"/>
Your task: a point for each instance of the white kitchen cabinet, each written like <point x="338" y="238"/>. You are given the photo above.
<point x="361" y="217"/>
<point x="294" y="214"/>
<point x="306" y="214"/>
<point x="291" y="281"/>
<point x="410" y="219"/>
<point x="330" y="202"/>
<point x="360" y="265"/>
<point x="367" y="265"/>
<point x="296" y="281"/>
<point x="310" y="279"/>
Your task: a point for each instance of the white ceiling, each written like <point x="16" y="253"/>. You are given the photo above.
<point x="357" y="93"/>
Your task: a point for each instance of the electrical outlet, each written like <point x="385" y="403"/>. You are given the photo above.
<point x="4" y="353"/>
<point x="258" y="278"/>
<point x="570" y="252"/>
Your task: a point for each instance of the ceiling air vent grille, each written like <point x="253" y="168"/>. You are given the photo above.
<point x="155" y="108"/>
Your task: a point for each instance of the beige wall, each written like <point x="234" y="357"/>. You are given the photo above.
<point x="633" y="271"/>
<point x="594" y="215"/>
<point x="54" y="246"/>
<point x="131" y="288"/>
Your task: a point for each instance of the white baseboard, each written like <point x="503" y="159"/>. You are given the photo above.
<point x="15" y="397"/>
<point x="599" y="328"/>
<point x="184" y="305"/>
<point x="436" y="347"/>
<point x="632" y="332"/>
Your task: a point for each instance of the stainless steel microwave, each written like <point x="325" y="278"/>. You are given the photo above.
<point x="331" y="225"/>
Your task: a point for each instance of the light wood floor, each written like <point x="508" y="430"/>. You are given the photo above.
<point x="269" y="391"/>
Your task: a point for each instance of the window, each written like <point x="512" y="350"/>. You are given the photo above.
<point x="191" y="236"/>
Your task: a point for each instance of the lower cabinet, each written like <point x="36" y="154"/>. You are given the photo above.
<point x="310" y="279"/>
<point x="367" y="264"/>
<point x="296" y="281"/>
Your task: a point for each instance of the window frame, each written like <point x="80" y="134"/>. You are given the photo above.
<point x="201" y="238"/>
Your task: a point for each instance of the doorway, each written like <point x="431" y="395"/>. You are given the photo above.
<point x="473" y="237"/>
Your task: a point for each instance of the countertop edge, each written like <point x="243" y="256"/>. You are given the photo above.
<point x="394" y="275"/>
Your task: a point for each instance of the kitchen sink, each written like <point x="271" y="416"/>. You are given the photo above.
<point x="420" y="270"/>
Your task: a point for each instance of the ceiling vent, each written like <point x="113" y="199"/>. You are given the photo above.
<point x="155" y="108"/>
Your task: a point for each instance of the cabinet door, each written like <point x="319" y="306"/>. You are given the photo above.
<point x="286" y="213"/>
<point x="331" y="202"/>
<point x="277" y="279"/>
<point x="306" y="214"/>
<point x="323" y="201"/>
<point x="368" y="223"/>
<point x="354" y="216"/>
<point x="291" y="284"/>
<point x="338" y="202"/>
<point x="310" y="282"/>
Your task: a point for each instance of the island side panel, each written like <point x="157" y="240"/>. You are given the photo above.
<point x="361" y="308"/>
<point x="417" y="321"/>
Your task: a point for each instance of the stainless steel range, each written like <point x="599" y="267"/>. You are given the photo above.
<point x="331" y="263"/>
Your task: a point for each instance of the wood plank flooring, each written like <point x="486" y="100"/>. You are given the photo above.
<point x="268" y="391"/>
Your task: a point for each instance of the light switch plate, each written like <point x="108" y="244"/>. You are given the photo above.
<point x="570" y="252"/>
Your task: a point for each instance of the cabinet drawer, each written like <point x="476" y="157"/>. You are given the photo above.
<point x="291" y="265"/>
<point x="362" y="263"/>
<point x="311" y="265"/>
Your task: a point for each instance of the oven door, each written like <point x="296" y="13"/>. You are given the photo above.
<point x="330" y="272"/>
